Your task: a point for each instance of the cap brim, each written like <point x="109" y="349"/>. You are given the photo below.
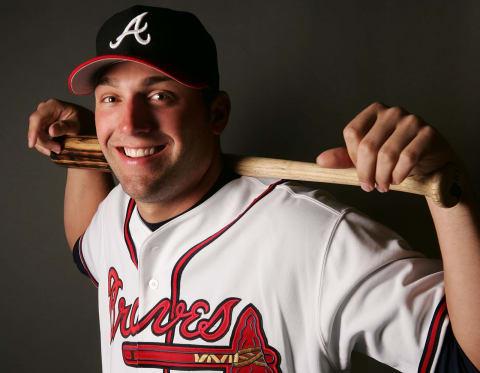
<point x="81" y="81"/>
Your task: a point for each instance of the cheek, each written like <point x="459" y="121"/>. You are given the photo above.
<point x="195" y="121"/>
<point x="103" y="126"/>
<point x="179" y="125"/>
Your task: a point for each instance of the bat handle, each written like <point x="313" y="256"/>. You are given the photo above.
<point x="444" y="187"/>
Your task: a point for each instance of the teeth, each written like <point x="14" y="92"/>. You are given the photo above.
<point x="139" y="152"/>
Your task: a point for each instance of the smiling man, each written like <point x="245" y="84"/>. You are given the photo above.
<point x="158" y="137"/>
<point x="199" y="269"/>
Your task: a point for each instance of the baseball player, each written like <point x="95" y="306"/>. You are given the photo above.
<point x="199" y="269"/>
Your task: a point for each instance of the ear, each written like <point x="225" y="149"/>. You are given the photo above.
<point x="220" y="112"/>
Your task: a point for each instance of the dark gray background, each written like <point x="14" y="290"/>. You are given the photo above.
<point x="297" y="72"/>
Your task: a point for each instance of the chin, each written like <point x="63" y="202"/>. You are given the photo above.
<point x="138" y="188"/>
<point x="146" y="189"/>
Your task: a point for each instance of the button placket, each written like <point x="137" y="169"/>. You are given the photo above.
<point x="153" y="284"/>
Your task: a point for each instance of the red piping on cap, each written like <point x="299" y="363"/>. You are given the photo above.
<point x="123" y="58"/>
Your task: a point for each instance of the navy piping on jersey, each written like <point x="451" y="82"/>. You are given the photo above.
<point x="452" y="358"/>
<point x="433" y="336"/>
<point x="80" y="260"/>
<point x="76" y="258"/>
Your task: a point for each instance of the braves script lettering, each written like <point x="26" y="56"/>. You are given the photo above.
<point x="247" y="352"/>
<point x="136" y="31"/>
<point x="192" y="321"/>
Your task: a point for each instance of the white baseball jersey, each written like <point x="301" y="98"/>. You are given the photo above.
<point x="263" y="276"/>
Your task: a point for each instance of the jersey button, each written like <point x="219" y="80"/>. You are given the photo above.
<point x="153" y="284"/>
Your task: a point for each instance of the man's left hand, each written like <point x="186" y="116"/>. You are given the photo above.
<point x="387" y="144"/>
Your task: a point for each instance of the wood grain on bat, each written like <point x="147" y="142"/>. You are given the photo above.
<point x="443" y="187"/>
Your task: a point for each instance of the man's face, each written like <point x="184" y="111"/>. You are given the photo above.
<point x="155" y="133"/>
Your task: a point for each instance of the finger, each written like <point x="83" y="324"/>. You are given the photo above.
<point x="33" y="128"/>
<point x="389" y="153"/>
<point x="358" y="127"/>
<point x="411" y="155"/>
<point x="46" y="113"/>
<point x="64" y="127"/>
<point x="369" y="147"/>
<point x="46" y="142"/>
<point x="42" y="149"/>
<point x="335" y="158"/>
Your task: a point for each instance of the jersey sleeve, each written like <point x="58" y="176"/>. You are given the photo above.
<point x="380" y="298"/>
<point x="452" y="358"/>
<point x="87" y="250"/>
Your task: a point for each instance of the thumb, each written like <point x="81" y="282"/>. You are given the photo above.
<point x="64" y="127"/>
<point x="335" y="158"/>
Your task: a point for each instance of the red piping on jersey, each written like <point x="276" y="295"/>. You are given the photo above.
<point x="433" y="336"/>
<point x="181" y="264"/>
<point x="84" y="263"/>
<point x="128" y="237"/>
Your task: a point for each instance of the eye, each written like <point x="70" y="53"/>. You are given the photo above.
<point x="162" y="97"/>
<point x="159" y="96"/>
<point x="108" y="99"/>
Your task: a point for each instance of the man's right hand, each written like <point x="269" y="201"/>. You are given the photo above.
<point x="55" y="118"/>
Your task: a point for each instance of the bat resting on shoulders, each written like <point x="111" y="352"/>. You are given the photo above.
<point x="444" y="187"/>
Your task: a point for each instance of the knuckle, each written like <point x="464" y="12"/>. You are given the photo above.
<point x="410" y="157"/>
<point x="395" y="111"/>
<point x="428" y="131"/>
<point x="367" y="146"/>
<point x="387" y="155"/>
<point x="412" y="122"/>
<point x="377" y="106"/>
<point x="350" y="133"/>
<point x="33" y="117"/>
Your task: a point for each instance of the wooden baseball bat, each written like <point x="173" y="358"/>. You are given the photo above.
<point x="444" y="186"/>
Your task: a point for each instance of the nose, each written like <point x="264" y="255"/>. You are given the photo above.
<point x="136" y="118"/>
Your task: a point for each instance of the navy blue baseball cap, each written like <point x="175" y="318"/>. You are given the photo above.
<point x="172" y="42"/>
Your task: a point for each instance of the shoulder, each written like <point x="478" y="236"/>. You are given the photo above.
<point x="316" y="213"/>
<point x="291" y="197"/>
<point x="290" y="209"/>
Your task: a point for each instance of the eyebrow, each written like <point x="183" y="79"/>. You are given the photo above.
<point x="155" y="79"/>
<point x="105" y="80"/>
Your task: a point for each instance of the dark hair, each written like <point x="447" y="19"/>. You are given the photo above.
<point x="209" y="95"/>
<point x="99" y="75"/>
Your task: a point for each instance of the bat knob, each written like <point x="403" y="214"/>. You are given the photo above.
<point x="446" y="185"/>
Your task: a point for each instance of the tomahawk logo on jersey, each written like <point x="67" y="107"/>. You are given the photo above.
<point x="247" y="350"/>
<point x="263" y="276"/>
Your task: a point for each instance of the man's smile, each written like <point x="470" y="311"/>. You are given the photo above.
<point x="142" y="152"/>
<point x="139" y="155"/>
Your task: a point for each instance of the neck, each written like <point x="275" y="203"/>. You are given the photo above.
<point x="155" y="212"/>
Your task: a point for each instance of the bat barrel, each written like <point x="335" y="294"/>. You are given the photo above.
<point x="80" y="152"/>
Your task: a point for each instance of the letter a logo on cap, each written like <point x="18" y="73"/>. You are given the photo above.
<point x="136" y="31"/>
